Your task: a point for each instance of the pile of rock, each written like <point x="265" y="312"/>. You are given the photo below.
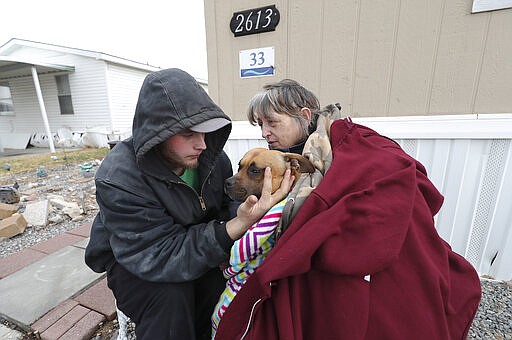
<point x="62" y="196"/>
<point x="36" y="214"/>
<point x="11" y="222"/>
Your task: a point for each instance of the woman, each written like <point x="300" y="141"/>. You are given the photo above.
<point x="361" y="258"/>
<point x="284" y="112"/>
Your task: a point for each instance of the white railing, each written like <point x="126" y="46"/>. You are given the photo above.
<point x="469" y="159"/>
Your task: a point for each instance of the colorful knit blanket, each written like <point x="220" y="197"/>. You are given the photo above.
<point x="247" y="253"/>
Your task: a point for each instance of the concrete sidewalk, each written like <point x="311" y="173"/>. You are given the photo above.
<point x="48" y="289"/>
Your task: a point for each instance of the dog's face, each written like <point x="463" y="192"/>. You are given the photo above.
<point x="251" y="171"/>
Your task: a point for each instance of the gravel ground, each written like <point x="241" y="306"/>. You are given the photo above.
<point x="493" y="320"/>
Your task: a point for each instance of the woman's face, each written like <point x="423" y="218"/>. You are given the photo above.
<point x="282" y="131"/>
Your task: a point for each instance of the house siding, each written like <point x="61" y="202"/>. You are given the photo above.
<point x="376" y="58"/>
<point x="104" y="91"/>
<point x="124" y="86"/>
<point x="88" y="93"/>
<point x="473" y="173"/>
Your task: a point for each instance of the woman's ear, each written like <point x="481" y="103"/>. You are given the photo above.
<point x="306" y="112"/>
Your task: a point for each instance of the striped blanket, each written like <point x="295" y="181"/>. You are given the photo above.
<point x="247" y="253"/>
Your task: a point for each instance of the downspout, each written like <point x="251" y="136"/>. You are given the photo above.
<point x="43" y="109"/>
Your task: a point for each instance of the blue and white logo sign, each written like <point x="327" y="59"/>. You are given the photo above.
<point x="257" y="62"/>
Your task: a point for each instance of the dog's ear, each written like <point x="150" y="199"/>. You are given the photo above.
<point x="299" y="163"/>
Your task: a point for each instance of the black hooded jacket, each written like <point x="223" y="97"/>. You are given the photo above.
<point x="150" y="221"/>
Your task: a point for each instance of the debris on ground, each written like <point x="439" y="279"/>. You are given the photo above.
<point x="47" y="198"/>
<point x="9" y="194"/>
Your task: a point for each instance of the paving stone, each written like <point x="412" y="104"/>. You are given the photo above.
<point x="53" y="316"/>
<point x="31" y="292"/>
<point x="82" y="244"/>
<point x="99" y="298"/>
<point x="36" y="213"/>
<point x="19" y="260"/>
<point x="56" y="243"/>
<point x="85" y="327"/>
<point x="83" y="230"/>
<point x="65" y="323"/>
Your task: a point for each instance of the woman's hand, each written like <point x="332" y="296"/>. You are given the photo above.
<point x="253" y="209"/>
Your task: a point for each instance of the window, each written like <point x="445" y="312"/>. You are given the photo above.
<point x="64" y="93"/>
<point x="6" y="105"/>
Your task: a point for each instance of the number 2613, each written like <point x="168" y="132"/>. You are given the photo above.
<point x="257" y="20"/>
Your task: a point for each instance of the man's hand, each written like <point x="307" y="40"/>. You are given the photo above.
<point x="253" y="209"/>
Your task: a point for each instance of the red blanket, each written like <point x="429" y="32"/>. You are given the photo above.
<point x="362" y="259"/>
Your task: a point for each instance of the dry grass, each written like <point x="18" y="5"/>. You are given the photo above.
<point x="30" y="162"/>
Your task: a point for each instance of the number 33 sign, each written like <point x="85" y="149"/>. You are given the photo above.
<point x="257" y="62"/>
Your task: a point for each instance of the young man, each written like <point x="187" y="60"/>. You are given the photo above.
<point x="161" y="231"/>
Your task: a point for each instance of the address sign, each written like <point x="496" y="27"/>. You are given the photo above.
<point x="252" y="21"/>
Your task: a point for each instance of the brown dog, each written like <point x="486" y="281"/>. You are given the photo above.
<point x="251" y="171"/>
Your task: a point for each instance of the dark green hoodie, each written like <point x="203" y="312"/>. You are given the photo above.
<point x="150" y="221"/>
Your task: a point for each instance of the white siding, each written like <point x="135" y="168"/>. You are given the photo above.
<point x="104" y="92"/>
<point x="123" y="86"/>
<point x="473" y="174"/>
<point x="27" y="116"/>
<point x="88" y="93"/>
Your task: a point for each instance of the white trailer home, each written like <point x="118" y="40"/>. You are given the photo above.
<point x="46" y="88"/>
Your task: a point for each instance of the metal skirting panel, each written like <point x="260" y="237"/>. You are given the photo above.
<point x="475" y="177"/>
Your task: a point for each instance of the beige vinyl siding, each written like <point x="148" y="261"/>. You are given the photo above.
<point x="494" y="91"/>
<point x="377" y="58"/>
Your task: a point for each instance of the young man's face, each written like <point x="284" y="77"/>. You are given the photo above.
<point x="182" y="150"/>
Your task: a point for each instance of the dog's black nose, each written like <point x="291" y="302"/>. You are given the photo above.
<point x="229" y="183"/>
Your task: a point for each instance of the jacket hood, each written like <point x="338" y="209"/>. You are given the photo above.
<point x="170" y="101"/>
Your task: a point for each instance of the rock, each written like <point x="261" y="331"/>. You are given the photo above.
<point x="55" y="219"/>
<point x="72" y="210"/>
<point x="41" y="172"/>
<point x="12" y="226"/>
<point x="28" y="198"/>
<point x="9" y="195"/>
<point x="10" y="334"/>
<point x="57" y="201"/>
<point x="88" y="174"/>
<point x="7" y="210"/>
<point x="36" y="213"/>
